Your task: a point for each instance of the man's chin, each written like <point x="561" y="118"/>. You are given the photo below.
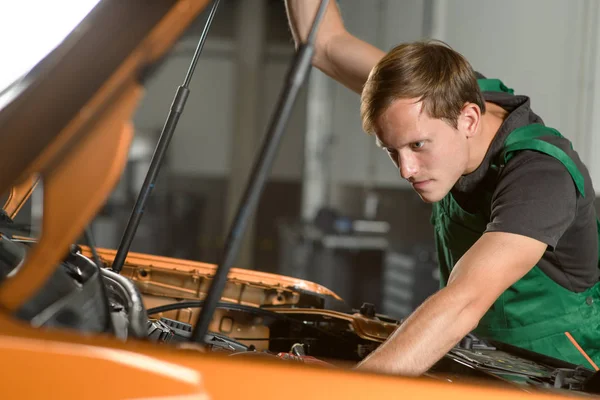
<point x="430" y="198"/>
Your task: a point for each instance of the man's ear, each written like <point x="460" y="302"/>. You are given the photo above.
<point x="469" y="119"/>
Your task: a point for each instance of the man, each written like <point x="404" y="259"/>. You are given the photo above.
<point x="513" y="205"/>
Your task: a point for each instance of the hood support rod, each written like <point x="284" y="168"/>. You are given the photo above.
<point x="177" y="107"/>
<point x="295" y="78"/>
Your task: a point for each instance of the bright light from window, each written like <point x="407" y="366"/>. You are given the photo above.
<point x="30" y="30"/>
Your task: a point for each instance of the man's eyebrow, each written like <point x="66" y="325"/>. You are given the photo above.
<point x="379" y="143"/>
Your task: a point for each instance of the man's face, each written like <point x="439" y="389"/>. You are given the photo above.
<point x="430" y="154"/>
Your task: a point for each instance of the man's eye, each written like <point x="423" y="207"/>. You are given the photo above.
<point x="417" y="145"/>
<point x="390" y="150"/>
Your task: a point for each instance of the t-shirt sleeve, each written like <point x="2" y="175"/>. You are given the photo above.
<point x="535" y="197"/>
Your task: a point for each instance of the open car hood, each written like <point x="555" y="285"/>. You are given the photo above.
<point x="97" y="72"/>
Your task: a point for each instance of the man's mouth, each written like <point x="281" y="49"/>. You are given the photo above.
<point x="421" y="184"/>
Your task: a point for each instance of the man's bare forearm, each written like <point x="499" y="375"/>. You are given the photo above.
<point x="495" y="262"/>
<point x="338" y="54"/>
<point x="301" y="14"/>
<point x="426" y="336"/>
<point x="350" y="60"/>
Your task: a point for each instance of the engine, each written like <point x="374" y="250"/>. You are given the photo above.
<point x="78" y="295"/>
<point x="84" y="297"/>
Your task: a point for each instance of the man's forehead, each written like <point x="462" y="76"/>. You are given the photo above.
<point x="400" y="120"/>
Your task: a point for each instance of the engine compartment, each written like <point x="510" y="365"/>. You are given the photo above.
<point x="288" y="324"/>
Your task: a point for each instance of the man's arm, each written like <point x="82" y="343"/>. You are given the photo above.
<point x="496" y="261"/>
<point x="338" y="54"/>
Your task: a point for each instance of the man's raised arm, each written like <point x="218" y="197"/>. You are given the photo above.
<point x="339" y="54"/>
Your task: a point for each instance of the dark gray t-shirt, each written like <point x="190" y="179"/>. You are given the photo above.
<point x="535" y="196"/>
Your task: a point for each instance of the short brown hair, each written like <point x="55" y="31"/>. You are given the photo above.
<point x="430" y="71"/>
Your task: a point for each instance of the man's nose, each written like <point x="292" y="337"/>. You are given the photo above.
<point x="408" y="166"/>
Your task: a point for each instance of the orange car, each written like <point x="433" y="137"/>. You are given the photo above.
<point x="72" y="326"/>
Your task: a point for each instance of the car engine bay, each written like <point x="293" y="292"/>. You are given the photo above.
<point x="287" y="324"/>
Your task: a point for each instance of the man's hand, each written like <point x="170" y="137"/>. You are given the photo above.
<point x="338" y="54"/>
<point x="492" y="265"/>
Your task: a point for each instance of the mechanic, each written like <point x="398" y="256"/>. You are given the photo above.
<point x="513" y="205"/>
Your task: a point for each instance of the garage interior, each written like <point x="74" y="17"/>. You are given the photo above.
<point x="334" y="210"/>
<point x="339" y="250"/>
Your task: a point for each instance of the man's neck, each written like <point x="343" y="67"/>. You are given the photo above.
<point x="490" y="124"/>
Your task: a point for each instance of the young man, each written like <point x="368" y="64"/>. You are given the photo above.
<point x="513" y="205"/>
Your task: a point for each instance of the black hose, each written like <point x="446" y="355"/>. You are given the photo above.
<point x="241" y="307"/>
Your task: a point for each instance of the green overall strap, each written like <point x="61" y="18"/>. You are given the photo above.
<point x="493" y="85"/>
<point x="527" y="138"/>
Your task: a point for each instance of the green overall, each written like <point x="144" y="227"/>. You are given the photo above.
<point x="535" y="312"/>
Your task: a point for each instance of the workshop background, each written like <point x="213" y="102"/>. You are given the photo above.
<point x="335" y="210"/>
